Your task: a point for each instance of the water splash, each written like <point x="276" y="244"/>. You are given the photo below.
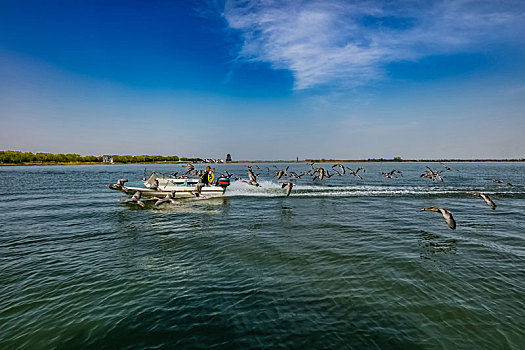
<point x="273" y="189"/>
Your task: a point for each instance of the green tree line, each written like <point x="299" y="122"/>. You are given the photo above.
<point x="17" y="157"/>
<point x="144" y="159"/>
<point x="322" y="160"/>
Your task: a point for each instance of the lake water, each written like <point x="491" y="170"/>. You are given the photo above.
<point x="342" y="263"/>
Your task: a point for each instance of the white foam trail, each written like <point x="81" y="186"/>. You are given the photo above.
<point x="267" y="189"/>
<point x="273" y="189"/>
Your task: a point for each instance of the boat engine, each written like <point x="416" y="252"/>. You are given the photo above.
<point x="223" y="182"/>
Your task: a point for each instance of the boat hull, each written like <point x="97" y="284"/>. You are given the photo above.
<point x="211" y="191"/>
<point x="159" y="186"/>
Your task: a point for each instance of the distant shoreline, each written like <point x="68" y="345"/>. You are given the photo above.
<point x="286" y="161"/>
<point x="87" y="163"/>
<point x="10" y="158"/>
<point x="381" y="161"/>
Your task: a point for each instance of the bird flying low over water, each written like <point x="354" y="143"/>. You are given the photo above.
<point x="446" y="167"/>
<point x="288" y="186"/>
<point x="251" y="175"/>
<point x="319" y="173"/>
<point x="119" y="185"/>
<point x="485" y="197"/>
<point x="280" y="173"/>
<point x="432" y="174"/>
<point x="390" y="174"/>
<point x="446" y="215"/>
<point x="252" y="182"/>
<point x="501" y="182"/>
<point x="168" y="199"/>
<point x="355" y="173"/>
<point x="135" y="199"/>
<point x="306" y="172"/>
<point x="340" y="167"/>
<point x="327" y="174"/>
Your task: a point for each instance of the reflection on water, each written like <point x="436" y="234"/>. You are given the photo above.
<point x="217" y="205"/>
<point x="286" y="213"/>
<point x="432" y="244"/>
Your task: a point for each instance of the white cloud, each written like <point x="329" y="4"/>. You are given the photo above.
<point x="347" y="43"/>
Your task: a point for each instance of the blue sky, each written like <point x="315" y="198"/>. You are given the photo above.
<point x="264" y="79"/>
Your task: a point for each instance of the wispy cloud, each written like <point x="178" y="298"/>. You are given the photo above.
<point x="348" y="43"/>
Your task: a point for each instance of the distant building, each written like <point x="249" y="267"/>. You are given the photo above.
<point x="228" y="158"/>
<point x="107" y="159"/>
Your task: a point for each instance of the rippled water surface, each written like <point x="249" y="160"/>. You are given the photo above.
<point x="342" y="263"/>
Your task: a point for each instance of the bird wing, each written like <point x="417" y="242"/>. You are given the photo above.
<point x="489" y="201"/>
<point x="448" y="218"/>
<point x="289" y="188"/>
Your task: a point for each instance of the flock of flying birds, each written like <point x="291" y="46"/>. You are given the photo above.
<point x="340" y="170"/>
<point x="286" y="178"/>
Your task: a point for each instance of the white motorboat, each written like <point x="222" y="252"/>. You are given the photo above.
<point x="159" y="185"/>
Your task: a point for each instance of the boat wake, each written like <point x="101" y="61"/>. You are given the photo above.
<point x="273" y="189"/>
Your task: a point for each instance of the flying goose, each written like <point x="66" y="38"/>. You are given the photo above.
<point x="355" y="173"/>
<point x="280" y="173"/>
<point x="432" y="174"/>
<point x="390" y="174"/>
<point x="501" y="182"/>
<point x="446" y="167"/>
<point x="340" y="167"/>
<point x="288" y="186"/>
<point x="251" y="182"/>
<point x="119" y="185"/>
<point x="251" y="175"/>
<point x="485" y="197"/>
<point x="446" y="214"/>
<point x="134" y="199"/>
<point x="168" y="199"/>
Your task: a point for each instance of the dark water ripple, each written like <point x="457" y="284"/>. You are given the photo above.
<point x="343" y="263"/>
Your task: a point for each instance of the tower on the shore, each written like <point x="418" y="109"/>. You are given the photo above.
<point x="228" y="158"/>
